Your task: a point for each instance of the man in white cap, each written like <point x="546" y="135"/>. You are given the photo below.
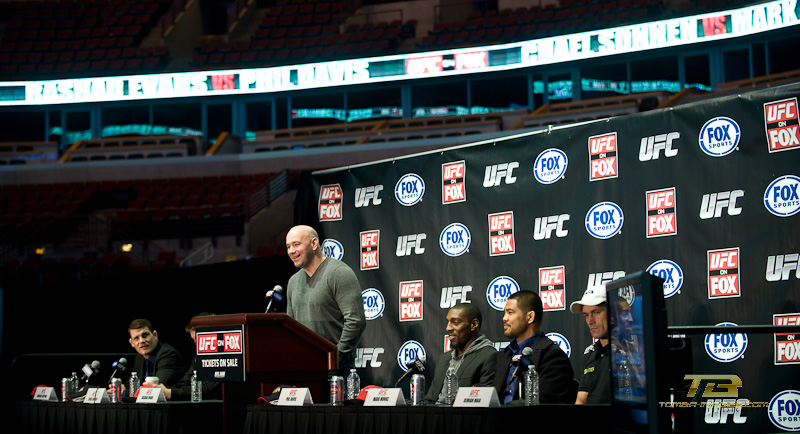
<point x="595" y="385"/>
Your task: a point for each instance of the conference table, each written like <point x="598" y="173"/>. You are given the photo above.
<point x="79" y="418"/>
<point x="426" y="419"/>
<point x="206" y="417"/>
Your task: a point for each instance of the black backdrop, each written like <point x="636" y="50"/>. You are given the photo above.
<point x="92" y="316"/>
<point x="703" y="169"/>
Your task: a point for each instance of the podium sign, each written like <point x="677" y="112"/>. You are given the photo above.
<point x="220" y="353"/>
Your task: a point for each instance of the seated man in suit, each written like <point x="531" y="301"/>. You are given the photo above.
<point x="154" y="358"/>
<point x="522" y="321"/>
<point x="471" y="354"/>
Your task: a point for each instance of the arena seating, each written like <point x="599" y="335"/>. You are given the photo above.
<point x="28" y="152"/>
<point x="77" y="38"/>
<point x="589" y="109"/>
<point x="143" y="210"/>
<point x="380" y="131"/>
<point x="133" y="147"/>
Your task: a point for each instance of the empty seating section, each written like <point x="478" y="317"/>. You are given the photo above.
<point x="303" y="33"/>
<point x="142" y="210"/>
<point x="590" y="109"/>
<point x="28" y="153"/>
<point x="357" y="133"/>
<point x="19" y="204"/>
<point x="170" y="199"/>
<point x="133" y="147"/>
<point x="75" y="38"/>
<point x="686" y="96"/>
<point x="521" y="23"/>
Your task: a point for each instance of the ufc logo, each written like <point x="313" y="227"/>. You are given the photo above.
<point x="495" y="174"/>
<point x="368" y="355"/>
<point x="543" y="227"/>
<point x="408" y="243"/>
<point x="653" y="145"/>
<point x="780" y="267"/>
<point x="714" y="203"/>
<point x="453" y="295"/>
<point x="367" y="194"/>
<point x="597" y="279"/>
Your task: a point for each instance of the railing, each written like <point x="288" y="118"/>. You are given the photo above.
<point x="171" y="16"/>
<point x="207" y="250"/>
<point x="376" y="17"/>
<point x="235" y="11"/>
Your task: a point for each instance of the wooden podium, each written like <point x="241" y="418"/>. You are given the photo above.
<point x="276" y="350"/>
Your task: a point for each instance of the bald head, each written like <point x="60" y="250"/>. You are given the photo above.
<point x="304" y="249"/>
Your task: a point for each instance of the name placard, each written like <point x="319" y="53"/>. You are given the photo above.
<point x="96" y="395"/>
<point x="297" y="396"/>
<point x="150" y="395"/>
<point x="385" y="398"/>
<point x="476" y="397"/>
<point x="45" y="394"/>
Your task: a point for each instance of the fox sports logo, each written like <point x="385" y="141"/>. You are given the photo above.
<point x="410" y="351"/>
<point x="561" y="341"/>
<point x="604" y="220"/>
<point x="719" y="136"/>
<point x="409" y="189"/>
<point x="550" y="166"/>
<point x="333" y="249"/>
<point x="373" y="303"/>
<point x="499" y="290"/>
<point x="784" y="410"/>
<point x="726" y="347"/>
<point x="671" y="273"/>
<point x="782" y="196"/>
<point x="455" y="239"/>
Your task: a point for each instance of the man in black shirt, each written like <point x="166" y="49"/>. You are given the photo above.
<point x="595" y="385"/>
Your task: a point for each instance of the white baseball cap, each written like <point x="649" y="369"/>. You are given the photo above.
<point x="592" y="297"/>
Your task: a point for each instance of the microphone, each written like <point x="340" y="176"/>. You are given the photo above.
<point x="415" y="367"/>
<point x="276" y="294"/>
<point x="90" y="370"/>
<point x="119" y="366"/>
<point x="521" y="360"/>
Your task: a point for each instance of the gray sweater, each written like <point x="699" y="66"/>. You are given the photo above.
<point x="330" y="304"/>
<point x="475" y="367"/>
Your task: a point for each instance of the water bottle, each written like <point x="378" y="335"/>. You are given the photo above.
<point x="450" y="386"/>
<point x="197" y="388"/>
<point x="624" y="383"/>
<point x="353" y="384"/>
<point x="531" y="386"/>
<point x="75" y="384"/>
<point x="133" y="384"/>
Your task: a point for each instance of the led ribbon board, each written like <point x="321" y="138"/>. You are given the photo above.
<point x="565" y="48"/>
